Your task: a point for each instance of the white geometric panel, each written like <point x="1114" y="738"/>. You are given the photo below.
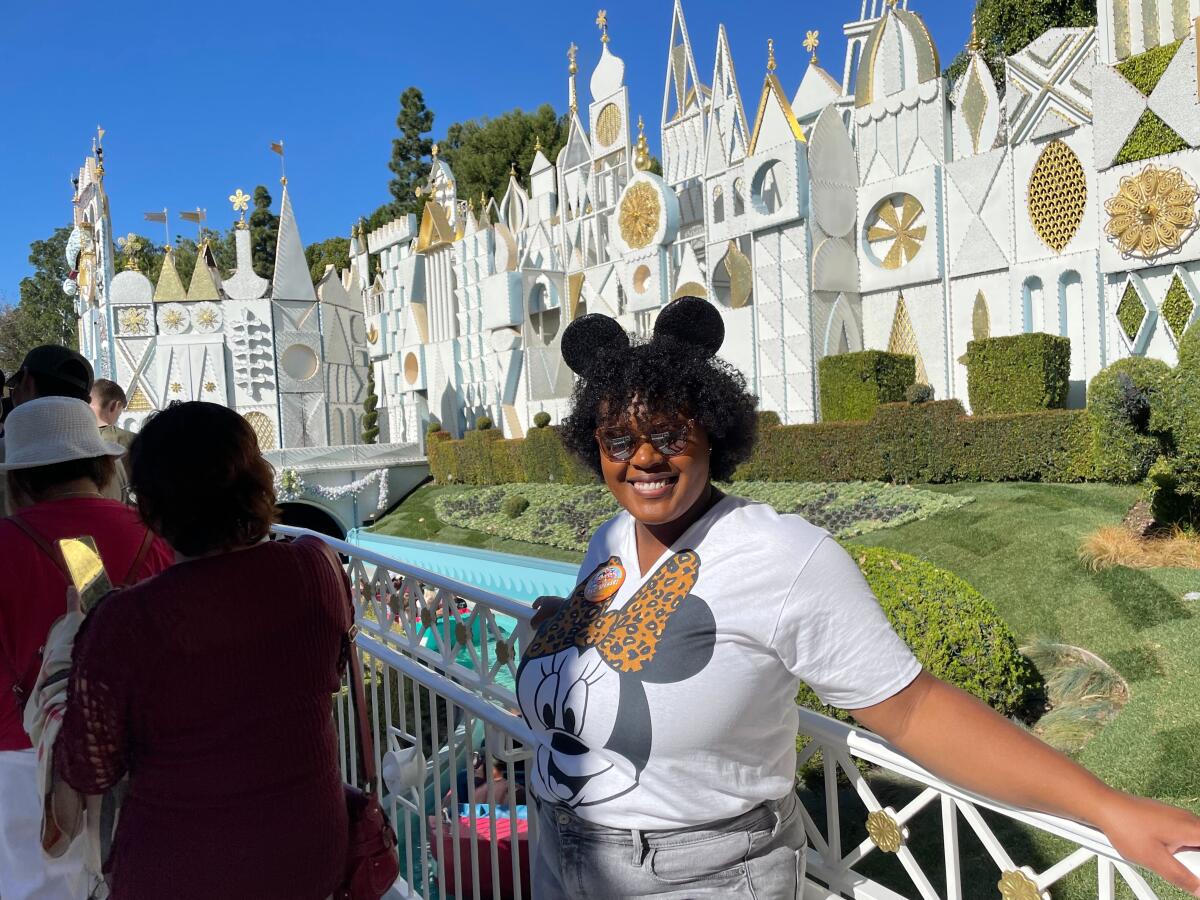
<point x="1119" y="106"/>
<point x="130" y="286"/>
<point x="834" y="175"/>
<point x="835" y="266"/>
<point x="1049" y="84"/>
<point x="1174" y="99"/>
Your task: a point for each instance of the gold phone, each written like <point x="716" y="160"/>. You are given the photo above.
<point x="86" y="568"/>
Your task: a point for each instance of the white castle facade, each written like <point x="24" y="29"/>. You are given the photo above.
<point x="889" y="209"/>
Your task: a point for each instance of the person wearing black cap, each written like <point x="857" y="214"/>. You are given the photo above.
<point x="50" y="370"/>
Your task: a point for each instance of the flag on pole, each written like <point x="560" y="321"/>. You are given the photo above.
<point x="197" y="216"/>
<point x="157" y="216"/>
<point x="277" y="146"/>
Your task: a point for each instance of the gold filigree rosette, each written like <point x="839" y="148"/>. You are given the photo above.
<point x="640" y="213"/>
<point x="884" y="831"/>
<point x="1018" y="886"/>
<point x="1152" y="213"/>
<point x="133" y="321"/>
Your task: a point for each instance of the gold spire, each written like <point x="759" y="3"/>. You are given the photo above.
<point x="641" y="159"/>
<point x="571" y="51"/>
<point x="434" y="152"/>
<point x="483" y="199"/>
<point x="770" y="54"/>
<point x="602" y="21"/>
<point x="537" y="144"/>
<point x="98" y="149"/>
<point x="974" y="45"/>
<point x="512" y="170"/>
<point x="812" y="40"/>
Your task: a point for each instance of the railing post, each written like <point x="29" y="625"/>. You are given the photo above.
<point x="954" y="889"/>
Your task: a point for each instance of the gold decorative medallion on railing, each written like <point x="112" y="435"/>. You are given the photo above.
<point x="1152" y="213"/>
<point x="884" y="831"/>
<point x="1018" y="886"/>
<point x="1057" y="196"/>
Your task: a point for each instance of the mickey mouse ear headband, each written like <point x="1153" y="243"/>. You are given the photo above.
<point x="689" y="320"/>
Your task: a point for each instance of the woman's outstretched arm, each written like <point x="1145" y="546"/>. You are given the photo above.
<point x="965" y="742"/>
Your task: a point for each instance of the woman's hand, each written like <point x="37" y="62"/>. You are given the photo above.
<point x="1149" y="833"/>
<point x="545" y="608"/>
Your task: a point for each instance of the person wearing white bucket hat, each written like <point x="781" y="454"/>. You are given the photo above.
<point x="56" y="466"/>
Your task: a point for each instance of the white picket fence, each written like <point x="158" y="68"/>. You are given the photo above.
<point x="442" y="656"/>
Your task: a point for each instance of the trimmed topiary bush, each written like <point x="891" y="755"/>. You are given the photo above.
<point x="514" y="505"/>
<point x="950" y="627"/>
<point x="768" y="419"/>
<point x="919" y="393"/>
<point x="854" y="384"/>
<point x="508" y="462"/>
<point x="483" y="423"/>
<point x="541" y="420"/>
<point x="476" y="457"/>
<point x="1120" y="399"/>
<point x="1018" y="373"/>
<point x="433" y="425"/>
<point x="1175" y="481"/>
<point x="545" y="459"/>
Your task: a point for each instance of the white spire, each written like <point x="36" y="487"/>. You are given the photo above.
<point x="291" y="280"/>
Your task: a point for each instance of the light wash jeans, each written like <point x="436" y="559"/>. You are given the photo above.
<point x="756" y="856"/>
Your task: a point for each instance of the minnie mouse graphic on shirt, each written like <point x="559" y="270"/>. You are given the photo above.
<point x="582" y="681"/>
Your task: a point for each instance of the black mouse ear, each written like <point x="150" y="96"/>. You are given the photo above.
<point x="586" y="337"/>
<point x="692" y="321"/>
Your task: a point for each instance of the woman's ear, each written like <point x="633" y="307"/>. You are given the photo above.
<point x="694" y="321"/>
<point x="585" y="340"/>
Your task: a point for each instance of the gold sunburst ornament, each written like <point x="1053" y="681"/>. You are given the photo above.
<point x="1018" y="886"/>
<point x="206" y="318"/>
<point x="173" y="318"/>
<point x="897" y="230"/>
<point x="1152" y="213"/>
<point x="884" y="831"/>
<point x="640" y="214"/>
<point x="133" y="321"/>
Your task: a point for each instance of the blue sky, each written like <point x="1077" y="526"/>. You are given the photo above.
<point x="191" y="95"/>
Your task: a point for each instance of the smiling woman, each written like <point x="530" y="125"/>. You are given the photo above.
<point x="662" y="689"/>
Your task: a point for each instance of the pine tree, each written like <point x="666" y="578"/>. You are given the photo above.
<point x="370" y="419"/>
<point x="410" y="151"/>
<point x="264" y="233"/>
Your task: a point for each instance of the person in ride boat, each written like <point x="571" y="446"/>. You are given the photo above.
<point x="662" y="690"/>
<point x="211" y="686"/>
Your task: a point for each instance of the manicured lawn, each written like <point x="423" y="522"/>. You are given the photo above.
<point x="1017" y="544"/>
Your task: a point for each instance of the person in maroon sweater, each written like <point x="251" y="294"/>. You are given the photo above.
<point x="56" y="469"/>
<point x="211" y="686"/>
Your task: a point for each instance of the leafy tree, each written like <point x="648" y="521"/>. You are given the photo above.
<point x="481" y="152"/>
<point x="410" y="151"/>
<point x="1007" y="26"/>
<point x="335" y="250"/>
<point x="17" y="337"/>
<point x="370" y="419"/>
<point x="45" y="314"/>
<point x="264" y="233"/>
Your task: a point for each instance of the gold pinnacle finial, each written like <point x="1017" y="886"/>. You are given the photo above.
<point x="812" y="40"/>
<point x="641" y="157"/>
<point x="571" y="51"/>
<point x="512" y="170"/>
<point x="602" y="21"/>
<point x="537" y="144"/>
<point x="240" y="200"/>
<point x="283" y="180"/>
<point x="974" y="45"/>
<point x="770" y="54"/>
<point x="483" y="199"/>
<point x="434" y="151"/>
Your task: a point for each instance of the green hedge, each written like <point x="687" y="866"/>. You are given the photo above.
<point x="485" y="457"/>
<point x="1175" y="480"/>
<point x="952" y="630"/>
<point x="854" y="384"/>
<point x="933" y="442"/>
<point x="1120" y="399"/>
<point x="1018" y="373"/>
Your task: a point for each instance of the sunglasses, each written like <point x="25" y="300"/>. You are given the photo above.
<point x="619" y="442"/>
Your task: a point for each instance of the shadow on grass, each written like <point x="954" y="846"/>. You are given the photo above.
<point x="1137" y="598"/>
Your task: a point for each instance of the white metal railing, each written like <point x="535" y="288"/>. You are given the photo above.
<point x="442" y="690"/>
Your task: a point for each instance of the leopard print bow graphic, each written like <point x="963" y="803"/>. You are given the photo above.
<point x="627" y="638"/>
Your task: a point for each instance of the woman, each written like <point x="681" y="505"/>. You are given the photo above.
<point x="663" y="687"/>
<point x="211" y="686"/>
<point x="56" y="468"/>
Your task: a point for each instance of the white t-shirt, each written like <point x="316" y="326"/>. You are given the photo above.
<point x="669" y="701"/>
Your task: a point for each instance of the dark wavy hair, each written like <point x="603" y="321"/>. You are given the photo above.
<point x="37" y="482"/>
<point x="200" y="480"/>
<point x="665" y="377"/>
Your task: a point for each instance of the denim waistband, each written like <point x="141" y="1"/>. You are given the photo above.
<point x="772" y="812"/>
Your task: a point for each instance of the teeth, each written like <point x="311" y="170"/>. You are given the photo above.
<point x="649" y="485"/>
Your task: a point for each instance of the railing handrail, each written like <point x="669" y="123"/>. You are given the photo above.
<point x="825" y="731"/>
<point x="874" y="749"/>
<point x="506" y="605"/>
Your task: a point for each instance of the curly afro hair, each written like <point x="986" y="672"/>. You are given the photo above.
<point x="665" y="376"/>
